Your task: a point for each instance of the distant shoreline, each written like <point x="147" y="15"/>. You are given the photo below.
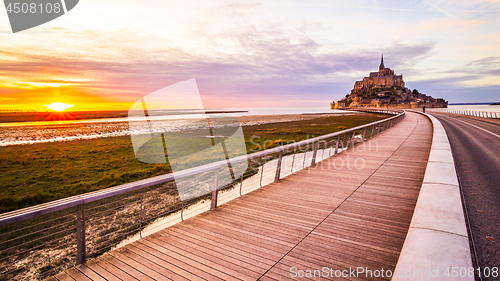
<point x="475" y="103"/>
<point x="17" y="117"/>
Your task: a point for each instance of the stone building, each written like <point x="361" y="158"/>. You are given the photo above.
<point x="384" y="78"/>
<point x="384" y="89"/>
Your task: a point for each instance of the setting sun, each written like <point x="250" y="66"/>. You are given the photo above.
<point x="59" y="106"/>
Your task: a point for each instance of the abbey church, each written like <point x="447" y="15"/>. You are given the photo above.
<point x="384" y="89"/>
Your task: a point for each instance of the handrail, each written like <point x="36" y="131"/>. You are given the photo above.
<point x="475" y="113"/>
<point x="57" y="205"/>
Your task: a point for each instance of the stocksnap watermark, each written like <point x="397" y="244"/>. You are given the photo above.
<point x="365" y="272"/>
<point x="202" y="140"/>
<point x="327" y="272"/>
<point x="26" y="14"/>
<point x="347" y="162"/>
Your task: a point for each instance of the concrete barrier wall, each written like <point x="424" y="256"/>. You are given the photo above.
<point x="437" y="243"/>
<point x="413" y="105"/>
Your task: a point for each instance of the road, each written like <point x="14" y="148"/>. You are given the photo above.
<point x="475" y="143"/>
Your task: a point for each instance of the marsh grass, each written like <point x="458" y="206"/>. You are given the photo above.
<point x="39" y="173"/>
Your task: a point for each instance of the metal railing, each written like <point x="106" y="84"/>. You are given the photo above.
<point x="42" y="240"/>
<point x="483" y="114"/>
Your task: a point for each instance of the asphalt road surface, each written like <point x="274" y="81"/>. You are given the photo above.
<point x="475" y="143"/>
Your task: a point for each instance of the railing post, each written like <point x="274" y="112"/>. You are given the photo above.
<point x="278" y="167"/>
<point x="262" y="172"/>
<point x="323" y="150"/>
<point x="352" y="139"/>
<point x="140" y="214"/>
<point x="336" y="145"/>
<point x="241" y="182"/>
<point x="313" y="161"/>
<point x="293" y="158"/>
<point x="215" y="193"/>
<point x="182" y="211"/>
<point x="373" y="130"/>
<point x="80" y="235"/>
<point x="304" y="160"/>
<point x="364" y="133"/>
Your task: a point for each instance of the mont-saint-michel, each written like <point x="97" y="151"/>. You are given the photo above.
<point x="384" y="89"/>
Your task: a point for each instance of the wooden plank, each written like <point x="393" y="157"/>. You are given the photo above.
<point x="63" y="276"/>
<point x="89" y="273"/>
<point x="252" y="234"/>
<point x="137" y="265"/>
<point x="180" y="265"/>
<point x="215" y="267"/>
<point x="226" y="247"/>
<point x="129" y="269"/>
<point x="240" y="238"/>
<point x="76" y="274"/>
<point x="129" y="251"/>
<point x="286" y="233"/>
<point x="188" y="243"/>
<point x="223" y="263"/>
<point x="119" y="273"/>
<point x="101" y="271"/>
<point x="271" y="253"/>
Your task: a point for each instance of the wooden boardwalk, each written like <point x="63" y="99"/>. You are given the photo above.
<point x="332" y="217"/>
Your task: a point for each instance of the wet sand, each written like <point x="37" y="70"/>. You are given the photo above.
<point x="20" y="135"/>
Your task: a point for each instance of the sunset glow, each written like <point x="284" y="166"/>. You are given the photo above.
<point x="59" y="106"/>
<point x="259" y="54"/>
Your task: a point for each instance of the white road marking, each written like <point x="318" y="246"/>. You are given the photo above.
<point x="478" y="127"/>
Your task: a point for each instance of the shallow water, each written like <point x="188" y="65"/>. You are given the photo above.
<point x="488" y="108"/>
<point x="54" y="131"/>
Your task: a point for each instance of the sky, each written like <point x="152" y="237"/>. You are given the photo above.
<point x="106" y="55"/>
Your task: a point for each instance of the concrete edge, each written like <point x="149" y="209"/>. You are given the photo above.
<point x="437" y="244"/>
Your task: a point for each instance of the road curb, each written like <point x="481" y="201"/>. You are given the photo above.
<point x="437" y="242"/>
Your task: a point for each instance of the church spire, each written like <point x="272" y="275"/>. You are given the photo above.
<point x="381" y="62"/>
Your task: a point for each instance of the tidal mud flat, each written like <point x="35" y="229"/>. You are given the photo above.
<point x="60" y="131"/>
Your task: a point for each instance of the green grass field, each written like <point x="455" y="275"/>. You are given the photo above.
<point x="39" y="173"/>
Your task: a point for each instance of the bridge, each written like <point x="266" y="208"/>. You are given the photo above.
<point x="355" y="215"/>
<point x="329" y="215"/>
